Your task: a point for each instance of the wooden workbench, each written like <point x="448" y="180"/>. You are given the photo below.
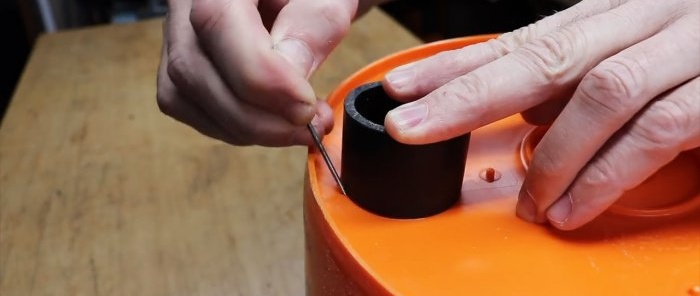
<point x="101" y="194"/>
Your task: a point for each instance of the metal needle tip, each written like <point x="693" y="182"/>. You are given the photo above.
<point x="327" y="159"/>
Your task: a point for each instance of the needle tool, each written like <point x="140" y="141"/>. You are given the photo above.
<point x="319" y="145"/>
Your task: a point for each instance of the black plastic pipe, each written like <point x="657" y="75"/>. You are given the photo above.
<point x="390" y="178"/>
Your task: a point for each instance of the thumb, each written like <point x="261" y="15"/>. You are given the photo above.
<point x="306" y="31"/>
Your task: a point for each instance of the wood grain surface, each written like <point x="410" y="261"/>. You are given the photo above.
<point x="101" y="194"/>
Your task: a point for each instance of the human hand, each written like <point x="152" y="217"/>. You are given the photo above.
<point x="238" y="70"/>
<point x="618" y="80"/>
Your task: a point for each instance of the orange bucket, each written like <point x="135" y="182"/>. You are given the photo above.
<point x="479" y="247"/>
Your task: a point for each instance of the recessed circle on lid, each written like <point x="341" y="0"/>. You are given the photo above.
<point x="672" y="190"/>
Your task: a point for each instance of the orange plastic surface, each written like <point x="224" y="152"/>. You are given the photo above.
<point x="479" y="246"/>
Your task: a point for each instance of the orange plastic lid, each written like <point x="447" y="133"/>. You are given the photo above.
<point x="479" y="246"/>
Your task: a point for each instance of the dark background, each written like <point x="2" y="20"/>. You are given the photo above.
<point x="20" y="22"/>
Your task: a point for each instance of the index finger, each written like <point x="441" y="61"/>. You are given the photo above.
<point x="414" y="80"/>
<point x="535" y="72"/>
<point x="234" y="36"/>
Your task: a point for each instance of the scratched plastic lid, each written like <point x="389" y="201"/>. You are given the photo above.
<point x="479" y="246"/>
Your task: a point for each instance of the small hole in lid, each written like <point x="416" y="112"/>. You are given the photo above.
<point x="490" y="175"/>
<point x="694" y="290"/>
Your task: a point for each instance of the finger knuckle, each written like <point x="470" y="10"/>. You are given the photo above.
<point x="613" y="87"/>
<point x="179" y="67"/>
<point x="504" y="44"/>
<point x="600" y="173"/>
<point x="469" y="85"/>
<point x="665" y="124"/>
<point x="552" y="56"/>
<point x="465" y="92"/>
<point x="459" y="96"/>
<point x="615" y="3"/>
<point x="508" y="42"/>
<point x="523" y="34"/>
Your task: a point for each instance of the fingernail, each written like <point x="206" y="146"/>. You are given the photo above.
<point x="408" y="115"/>
<point x="526" y="208"/>
<point x="297" y="53"/>
<point x="401" y="76"/>
<point x="561" y="209"/>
